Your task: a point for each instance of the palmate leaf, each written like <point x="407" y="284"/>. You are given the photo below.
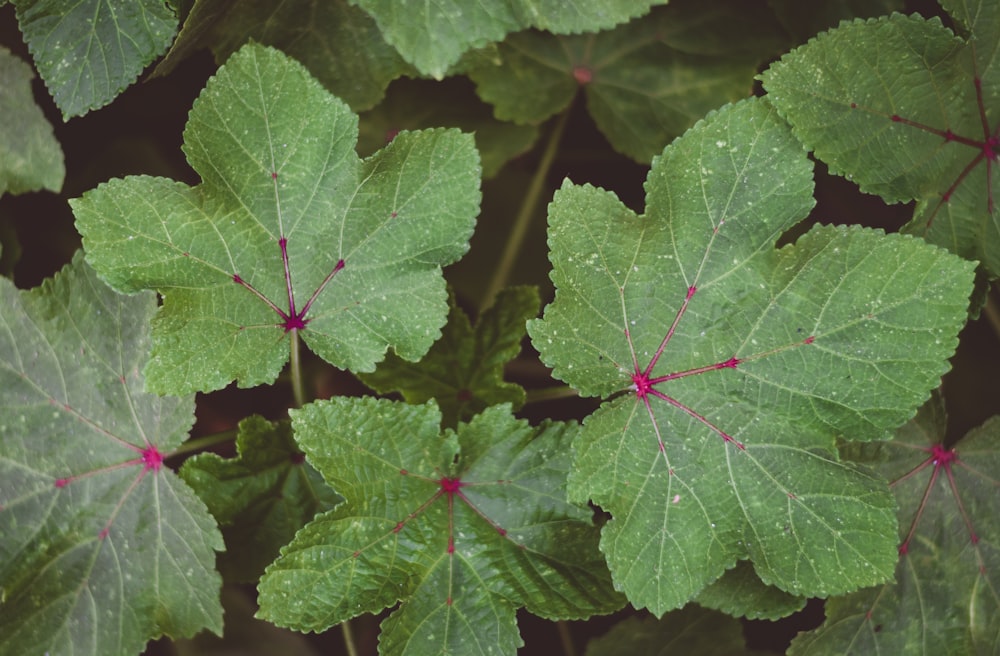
<point x="88" y="51"/>
<point x="289" y="233"/>
<point x="904" y="108"/>
<point x="945" y="597"/>
<point x="645" y="82"/>
<point x="463" y="371"/>
<point x="433" y="35"/>
<point x="462" y="528"/>
<point x="261" y="497"/>
<point x="734" y="365"/>
<point x="101" y="546"/>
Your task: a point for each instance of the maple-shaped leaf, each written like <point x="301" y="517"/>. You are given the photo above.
<point x="645" y="82"/>
<point x="101" y="546"/>
<point x="30" y="156"/>
<point x="740" y="593"/>
<point x="945" y="597"/>
<point x="339" y="44"/>
<point x="88" y="51"/>
<point x="433" y="35"/>
<point x="288" y="234"/>
<point x="463" y="371"/>
<point x="903" y="107"/>
<point x="734" y="365"/>
<point x="462" y="528"/>
<point x="261" y="497"/>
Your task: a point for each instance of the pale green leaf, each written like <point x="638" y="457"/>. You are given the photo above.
<point x="734" y="366"/>
<point x="101" y="546"/>
<point x="690" y="631"/>
<point x="30" y="157"/>
<point x="289" y="234"/>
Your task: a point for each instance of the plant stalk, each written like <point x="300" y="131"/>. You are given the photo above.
<point x="515" y="239"/>
<point x="352" y="649"/>
<point x="298" y="387"/>
<point x="202" y="443"/>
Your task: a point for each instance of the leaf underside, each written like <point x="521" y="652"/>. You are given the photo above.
<point x="101" y="546"/>
<point x="462" y="529"/>
<point x="734" y="366"/>
<point x="289" y="234"/>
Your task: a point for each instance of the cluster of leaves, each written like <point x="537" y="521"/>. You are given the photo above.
<point x="751" y="380"/>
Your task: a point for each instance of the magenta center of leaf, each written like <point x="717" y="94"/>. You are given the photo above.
<point x="293" y="318"/>
<point x="152" y="459"/>
<point x="941" y="456"/>
<point x="450" y="485"/>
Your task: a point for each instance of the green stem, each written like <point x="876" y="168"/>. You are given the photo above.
<point x="550" y="393"/>
<point x="202" y="443"/>
<point x="298" y="387"/>
<point x="566" y="638"/>
<point x="522" y="222"/>
<point x="992" y="314"/>
<point x="352" y="649"/>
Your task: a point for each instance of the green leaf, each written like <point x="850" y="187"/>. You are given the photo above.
<point x="463" y="371"/>
<point x="30" y="156"/>
<point x="88" y="51"/>
<point x="101" y="546"/>
<point x="734" y="366"/>
<point x="414" y="104"/>
<point x="806" y="19"/>
<point x="289" y="233"/>
<point x="944" y="597"/>
<point x="740" y="593"/>
<point x="463" y="529"/>
<point x="339" y="44"/>
<point x="691" y="631"/>
<point x="902" y="107"/>
<point x="261" y="497"/>
<point x="433" y="35"/>
<point x="645" y="82"/>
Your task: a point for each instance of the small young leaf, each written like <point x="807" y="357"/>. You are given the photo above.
<point x="944" y="598"/>
<point x="735" y="366"/>
<point x="463" y="529"/>
<point x="339" y="44"/>
<point x="433" y="35"/>
<point x="740" y="593"/>
<point x="288" y="233"/>
<point x="30" y="156"/>
<point x="903" y="107"/>
<point x="645" y="82"/>
<point x="463" y="371"/>
<point x="260" y="498"/>
<point x="101" y="546"/>
<point x="88" y="51"/>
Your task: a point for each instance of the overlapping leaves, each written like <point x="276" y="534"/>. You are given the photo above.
<point x="735" y="365"/>
<point x="462" y="528"/>
<point x="289" y="233"/>
<point x="101" y="546"/>
<point x="945" y="596"/>
<point x="904" y="108"/>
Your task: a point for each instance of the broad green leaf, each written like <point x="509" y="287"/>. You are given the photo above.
<point x="101" y="546"/>
<point x="339" y="44"/>
<point x="260" y="498"/>
<point x="415" y="104"/>
<point x="690" y="631"/>
<point x="433" y="35"/>
<point x="903" y="107"/>
<point x="30" y="156"/>
<point x="645" y="82"/>
<point x="806" y="19"/>
<point x="289" y="234"/>
<point x="945" y="596"/>
<point x="88" y="51"/>
<point x="734" y="366"/>
<point x="462" y="529"/>
<point x="463" y="371"/>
